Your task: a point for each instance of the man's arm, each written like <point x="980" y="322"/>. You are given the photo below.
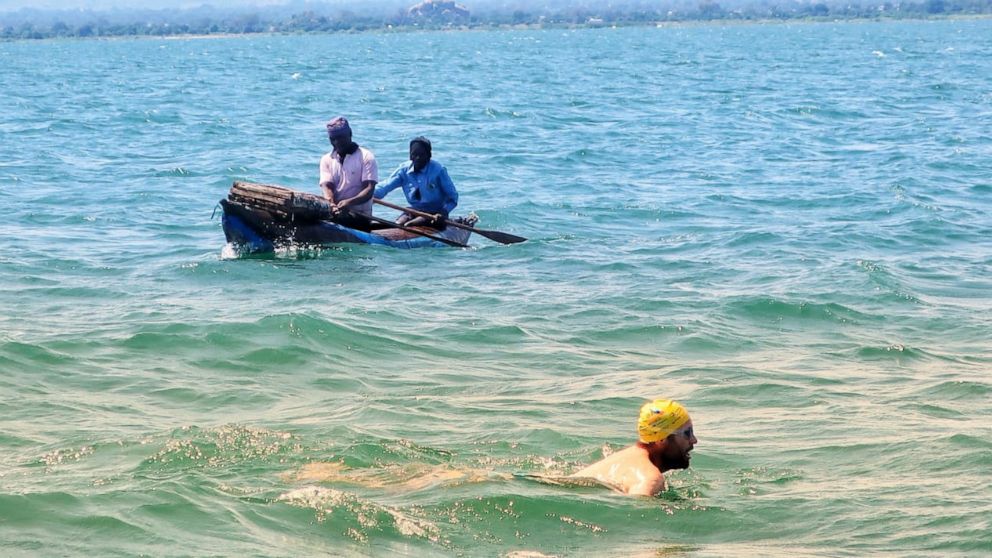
<point x="393" y="182"/>
<point x="364" y="195"/>
<point x="326" y="181"/>
<point x="328" y="191"/>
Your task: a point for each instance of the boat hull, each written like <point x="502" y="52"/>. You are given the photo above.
<point x="255" y="230"/>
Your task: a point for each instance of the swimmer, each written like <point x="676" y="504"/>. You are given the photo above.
<point x="665" y="439"/>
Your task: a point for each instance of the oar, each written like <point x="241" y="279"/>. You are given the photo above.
<point x="412" y="230"/>
<point x="324" y="207"/>
<point x="501" y="237"/>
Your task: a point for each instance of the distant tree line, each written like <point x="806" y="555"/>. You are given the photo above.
<point x="35" y="24"/>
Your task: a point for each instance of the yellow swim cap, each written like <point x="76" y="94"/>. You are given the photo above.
<point x="660" y="418"/>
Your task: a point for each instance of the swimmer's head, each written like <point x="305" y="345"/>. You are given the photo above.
<point x="659" y="419"/>
<point x="665" y="430"/>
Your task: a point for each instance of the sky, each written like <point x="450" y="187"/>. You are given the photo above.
<point x="105" y="5"/>
<point x="11" y="5"/>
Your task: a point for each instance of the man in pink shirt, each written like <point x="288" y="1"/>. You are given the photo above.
<point x="348" y="175"/>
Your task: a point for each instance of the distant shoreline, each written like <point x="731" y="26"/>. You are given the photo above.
<point x="391" y="29"/>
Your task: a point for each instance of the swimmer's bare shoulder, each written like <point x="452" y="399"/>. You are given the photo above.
<point x="629" y="470"/>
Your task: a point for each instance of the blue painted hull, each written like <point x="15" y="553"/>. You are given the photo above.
<point x="254" y="230"/>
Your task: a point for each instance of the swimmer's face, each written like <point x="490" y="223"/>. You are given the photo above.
<point x="677" y="447"/>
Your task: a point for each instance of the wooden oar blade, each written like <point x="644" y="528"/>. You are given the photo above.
<point x="501" y="237"/>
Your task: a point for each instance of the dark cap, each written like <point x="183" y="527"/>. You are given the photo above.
<point x="338" y="127"/>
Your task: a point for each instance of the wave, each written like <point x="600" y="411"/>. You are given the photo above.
<point x="364" y="518"/>
<point x="959" y="390"/>
<point x="765" y="308"/>
<point x="15" y="353"/>
<point x="222" y="447"/>
<point x="893" y="352"/>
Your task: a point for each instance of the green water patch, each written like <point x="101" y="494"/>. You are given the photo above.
<point x="530" y="518"/>
<point x="958" y="534"/>
<point x="69" y="525"/>
<point x="750" y="240"/>
<point x="859" y="457"/>
<point x="768" y="309"/>
<point x="285" y="357"/>
<point x="568" y="520"/>
<point x="177" y="172"/>
<point x="13" y="441"/>
<point x="224" y="447"/>
<point x="880" y="277"/>
<point x="30" y="355"/>
<point x="959" y="458"/>
<point x="696" y="340"/>
<point x="779" y="395"/>
<point x="25" y="508"/>
<point x="764" y="480"/>
<point x="959" y="390"/>
<point x="306" y="330"/>
<point x="369" y="453"/>
<point x="189" y="507"/>
<point x="939" y="411"/>
<point x="275" y="344"/>
<point x="60" y="457"/>
<point x="363" y="520"/>
<point x="341" y="383"/>
<point x="896" y="352"/>
<point x="966" y="441"/>
<point x="108" y="527"/>
<point x="210" y="397"/>
<point x="491" y="335"/>
<point x="170" y="338"/>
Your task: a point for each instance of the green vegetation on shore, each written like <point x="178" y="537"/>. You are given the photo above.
<point x="207" y="21"/>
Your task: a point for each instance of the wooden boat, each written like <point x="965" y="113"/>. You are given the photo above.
<point x="261" y="217"/>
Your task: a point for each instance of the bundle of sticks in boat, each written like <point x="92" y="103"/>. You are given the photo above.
<point x="282" y="203"/>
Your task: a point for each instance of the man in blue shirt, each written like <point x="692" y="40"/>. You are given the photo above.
<point x="426" y="184"/>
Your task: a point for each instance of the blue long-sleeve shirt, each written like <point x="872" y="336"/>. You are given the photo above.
<point x="430" y="190"/>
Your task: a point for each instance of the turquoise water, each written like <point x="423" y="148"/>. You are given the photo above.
<point x="785" y="227"/>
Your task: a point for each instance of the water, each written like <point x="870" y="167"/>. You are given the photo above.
<point x="785" y="227"/>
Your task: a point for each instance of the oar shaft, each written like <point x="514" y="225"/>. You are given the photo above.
<point x="505" y="238"/>
<point x="414" y="231"/>
<point x="413" y="211"/>
<point x="326" y="207"/>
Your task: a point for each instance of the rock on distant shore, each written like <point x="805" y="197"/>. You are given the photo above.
<point x="438" y="10"/>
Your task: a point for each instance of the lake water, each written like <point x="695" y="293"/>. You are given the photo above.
<point x="788" y="228"/>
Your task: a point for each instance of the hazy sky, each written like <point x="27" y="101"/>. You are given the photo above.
<point x="105" y="4"/>
<point x="9" y="5"/>
<point x="100" y="5"/>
